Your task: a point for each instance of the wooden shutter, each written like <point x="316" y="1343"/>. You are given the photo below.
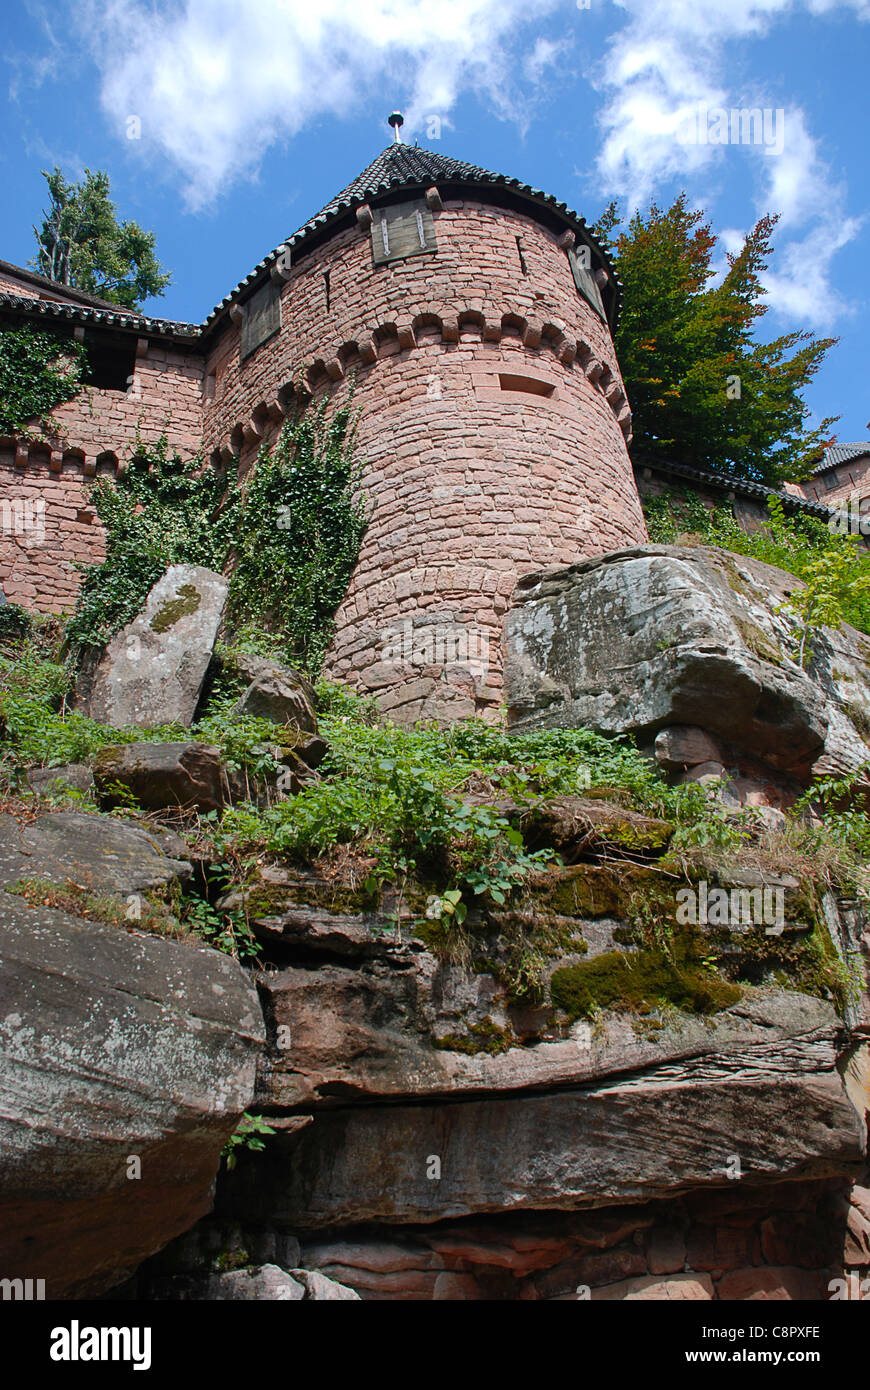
<point x="585" y="281"/>
<point x="262" y="318"/>
<point x="403" y="230"/>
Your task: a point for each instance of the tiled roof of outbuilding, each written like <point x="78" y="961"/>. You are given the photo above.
<point x="842" y="453"/>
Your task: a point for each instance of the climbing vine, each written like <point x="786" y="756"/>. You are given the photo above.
<point x="38" y="371"/>
<point x="161" y="511"/>
<point x="290" y="537"/>
<point x="301" y="522"/>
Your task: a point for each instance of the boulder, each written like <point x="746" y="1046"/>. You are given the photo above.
<point x="99" y="853"/>
<point x="68" y="776"/>
<point x="161" y="775"/>
<point x="678" y="1288"/>
<point x="644" y="639"/>
<point x="278" y="693"/>
<point x="126" y="1061"/>
<point x="152" y="671"/>
<point x="260" y="1283"/>
<point x="683" y="745"/>
<point x="323" y="1290"/>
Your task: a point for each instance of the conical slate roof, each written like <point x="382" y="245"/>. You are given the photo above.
<point x="401" y="166"/>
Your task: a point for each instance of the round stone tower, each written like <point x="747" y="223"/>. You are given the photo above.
<point x="471" y="315"/>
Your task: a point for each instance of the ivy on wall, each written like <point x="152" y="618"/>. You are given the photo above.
<point x="301" y="523"/>
<point x="38" y="371"/>
<point x="160" y="511"/>
<point x="290" y="538"/>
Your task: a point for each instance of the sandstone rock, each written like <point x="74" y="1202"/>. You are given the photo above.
<point x="100" y="853"/>
<point x="114" y="1046"/>
<point x="666" y="1251"/>
<point x="278" y="693"/>
<point x="856" y="1247"/>
<point x="364" y="1028"/>
<point x="766" y="1284"/>
<point x="161" y="775"/>
<point x="317" y="1286"/>
<point x="578" y="827"/>
<point x="679" y="1288"/>
<point x="640" y="640"/>
<point x="263" y="1283"/>
<point x="45" y="780"/>
<point x="152" y="671"/>
<point x="684" y="745"/>
<point x="669" y="1126"/>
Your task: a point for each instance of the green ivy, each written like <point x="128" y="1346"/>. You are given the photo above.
<point x="161" y="511"/>
<point x="38" y="371"/>
<point x="291" y="537"/>
<point x="301" y="523"/>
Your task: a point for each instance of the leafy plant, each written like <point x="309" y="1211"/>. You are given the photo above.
<point x="704" y="390"/>
<point x="251" y="1134"/>
<point x="298" y="536"/>
<point x="38" y="371"/>
<point x="82" y="243"/>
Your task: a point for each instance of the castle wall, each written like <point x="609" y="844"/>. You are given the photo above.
<point x="493" y="423"/>
<point x="46" y="522"/>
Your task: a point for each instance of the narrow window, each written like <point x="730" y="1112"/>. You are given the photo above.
<point x="326" y="286"/>
<point x="111" y="361"/>
<point x="523" y="267"/>
<point x="532" y="387"/>
<point x="584" y="277"/>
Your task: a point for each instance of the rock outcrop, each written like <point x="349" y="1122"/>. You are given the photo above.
<point x="98" y="853"/>
<point x="126" y="1061"/>
<point x="639" y="640"/>
<point x="152" y="671"/>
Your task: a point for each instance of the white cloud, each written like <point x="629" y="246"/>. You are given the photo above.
<point x="216" y="82"/>
<point x="669" y="64"/>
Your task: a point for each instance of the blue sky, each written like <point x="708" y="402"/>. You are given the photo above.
<point x="248" y="115"/>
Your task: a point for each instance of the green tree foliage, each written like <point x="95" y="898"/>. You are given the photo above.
<point x="82" y="244"/>
<point x="38" y="371"/>
<point x="835" y="568"/>
<point x="703" y="390"/>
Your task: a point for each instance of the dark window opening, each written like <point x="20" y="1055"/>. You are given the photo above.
<point x="523" y="267"/>
<point x="111" y="361"/>
<point x="326" y="286"/>
<point x="532" y="387"/>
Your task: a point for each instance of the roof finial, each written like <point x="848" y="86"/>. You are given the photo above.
<point x="396" y="120"/>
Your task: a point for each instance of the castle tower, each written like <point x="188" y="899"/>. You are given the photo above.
<point x="473" y="315"/>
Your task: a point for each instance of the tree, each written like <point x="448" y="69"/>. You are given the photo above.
<point x="703" y="390"/>
<point x="82" y="244"/>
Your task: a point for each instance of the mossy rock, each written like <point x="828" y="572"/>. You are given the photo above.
<point x="174" y="609"/>
<point x="599" y="890"/>
<point x="485" y="1036"/>
<point x="638" y="982"/>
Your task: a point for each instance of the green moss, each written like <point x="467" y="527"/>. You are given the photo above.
<point x="638" y="982"/>
<point x="188" y="600"/>
<point x="485" y="1036"/>
<point x="597" y="890"/>
<point x="758" y="642"/>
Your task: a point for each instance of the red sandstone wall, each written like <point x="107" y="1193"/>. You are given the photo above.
<point x="469" y="485"/>
<point x="95" y="431"/>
